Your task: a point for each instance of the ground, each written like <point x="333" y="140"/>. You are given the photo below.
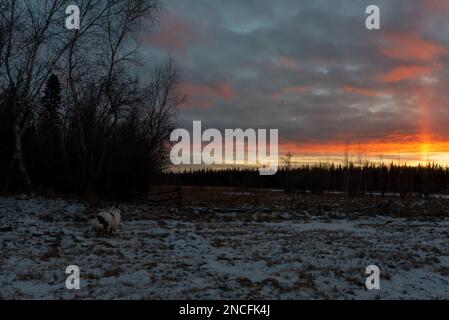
<point x="228" y="244"/>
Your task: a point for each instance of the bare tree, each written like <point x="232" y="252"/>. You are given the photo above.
<point x="3" y="30"/>
<point x="101" y="88"/>
<point x="92" y="62"/>
<point x="29" y="54"/>
<point x="140" y="144"/>
<point x="347" y="163"/>
<point x="159" y="107"/>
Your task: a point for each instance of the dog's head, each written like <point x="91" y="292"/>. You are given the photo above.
<point x="115" y="209"/>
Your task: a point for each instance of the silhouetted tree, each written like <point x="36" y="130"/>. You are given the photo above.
<point x="48" y="153"/>
<point x="71" y="109"/>
<point x="324" y="177"/>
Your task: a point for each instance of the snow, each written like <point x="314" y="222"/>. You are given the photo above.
<point x="192" y="253"/>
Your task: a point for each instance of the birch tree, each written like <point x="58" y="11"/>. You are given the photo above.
<point x="92" y="62"/>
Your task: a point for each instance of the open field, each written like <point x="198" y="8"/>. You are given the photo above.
<point x="228" y="244"/>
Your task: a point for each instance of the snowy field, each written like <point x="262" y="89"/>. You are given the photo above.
<point x="199" y="252"/>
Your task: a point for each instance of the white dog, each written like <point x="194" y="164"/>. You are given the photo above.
<point x="107" y="221"/>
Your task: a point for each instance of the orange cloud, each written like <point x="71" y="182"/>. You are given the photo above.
<point x="435" y="5"/>
<point x="223" y="90"/>
<point x="290" y="90"/>
<point x="362" y="91"/>
<point x="412" y="47"/>
<point x="203" y="95"/>
<point x="174" y="33"/>
<point x="288" y="63"/>
<point x="405" y="73"/>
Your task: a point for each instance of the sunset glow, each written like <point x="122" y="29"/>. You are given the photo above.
<point x="315" y="73"/>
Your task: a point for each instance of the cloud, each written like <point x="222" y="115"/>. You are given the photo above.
<point x="435" y="5"/>
<point x="412" y="47"/>
<point x="310" y="68"/>
<point x="294" y="90"/>
<point x="203" y="95"/>
<point x="362" y="91"/>
<point x="288" y="63"/>
<point x="174" y="34"/>
<point x="405" y="73"/>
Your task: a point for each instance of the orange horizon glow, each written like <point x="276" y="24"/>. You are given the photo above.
<point x="412" y="150"/>
<point x="402" y="150"/>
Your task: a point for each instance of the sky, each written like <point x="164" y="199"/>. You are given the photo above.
<point x="312" y="70"/>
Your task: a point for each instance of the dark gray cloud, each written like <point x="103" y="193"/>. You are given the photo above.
<point x="310" y="68"/>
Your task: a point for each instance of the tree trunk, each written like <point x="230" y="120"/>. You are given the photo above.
<point x="20" y="159"/>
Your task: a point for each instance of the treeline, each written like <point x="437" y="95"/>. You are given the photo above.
<point x="73" y="115"/>
<point x="349" y="179"/>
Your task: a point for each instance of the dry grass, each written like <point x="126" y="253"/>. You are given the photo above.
<point x="413" y="206"/>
